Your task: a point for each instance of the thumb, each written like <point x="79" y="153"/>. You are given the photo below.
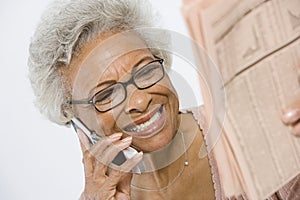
<point x="124" y="184"/>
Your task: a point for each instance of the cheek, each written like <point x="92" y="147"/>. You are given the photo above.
<point x="172" y="98"/>
<point x="106" y="123"/>
<point x="87" y="115"/>
<point x="174" y="101"/>
<point x="173" y="110"/>
<point x="166" y="87"/>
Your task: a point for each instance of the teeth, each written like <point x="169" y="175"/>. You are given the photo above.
<point x="145" y="125"/>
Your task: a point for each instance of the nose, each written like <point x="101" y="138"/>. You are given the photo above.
<point x="137" y="101"/>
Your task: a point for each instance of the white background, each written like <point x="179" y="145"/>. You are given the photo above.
<point x="38" y="159"/>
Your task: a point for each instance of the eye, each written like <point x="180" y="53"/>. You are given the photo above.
<point x="104" y="97"/>
<point x="148" y="71"/>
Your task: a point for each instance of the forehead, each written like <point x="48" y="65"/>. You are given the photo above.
<point x="99" y="56"/>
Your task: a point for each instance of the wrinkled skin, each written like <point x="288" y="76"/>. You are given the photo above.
<point x="101" y="183"/>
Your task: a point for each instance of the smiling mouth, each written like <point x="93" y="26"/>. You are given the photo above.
<point x="148" y="125"/>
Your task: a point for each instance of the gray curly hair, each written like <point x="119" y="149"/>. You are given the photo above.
<point x="68" y="25"/>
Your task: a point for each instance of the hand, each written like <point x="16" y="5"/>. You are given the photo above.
<point x="102" y="182"/>
<point x="291" y="117"/>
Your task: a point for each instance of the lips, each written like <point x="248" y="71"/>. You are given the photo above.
<point x="148" y="125"/>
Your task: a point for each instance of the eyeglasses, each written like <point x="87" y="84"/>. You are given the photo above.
<point x="115" y="94"/>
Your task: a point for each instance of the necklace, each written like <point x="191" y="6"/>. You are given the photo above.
<point x="186" y="162"/>
<point x="183" y="166"/>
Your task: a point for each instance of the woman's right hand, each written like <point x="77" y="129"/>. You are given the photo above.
<point x="101" y="181"/>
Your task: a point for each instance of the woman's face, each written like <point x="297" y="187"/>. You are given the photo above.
<point x="150" y="115"/>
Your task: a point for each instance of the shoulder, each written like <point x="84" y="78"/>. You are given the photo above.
<point x="199" y="115"/>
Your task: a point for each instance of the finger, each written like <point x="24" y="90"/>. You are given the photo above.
<point x="98" y="149"/>
<point x="132" y="162"/>
<point x="83" y="139"/>
<point x="291" y="114"/>
<point x="124" y="184"/>
<point x="99" y="172"/>
<point x="88" y="159"/>
<point x="122" y="196"/>
<point x="112" y="151"/>
<point x="116" y="175"/>
<point x="296" y="129"/>
<point x="88" y="163"/>
<point x="121" y="180"/>
<point x="108" y="155"/>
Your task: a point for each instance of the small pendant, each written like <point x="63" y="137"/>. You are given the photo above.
<point x="186" y="163"/>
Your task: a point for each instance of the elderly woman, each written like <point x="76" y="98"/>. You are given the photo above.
<point x="93" y="63"/>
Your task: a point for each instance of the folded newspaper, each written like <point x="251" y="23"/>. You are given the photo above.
<point x="255" y="45"/>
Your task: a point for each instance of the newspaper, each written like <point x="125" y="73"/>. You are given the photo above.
<point x="255" y="45"/>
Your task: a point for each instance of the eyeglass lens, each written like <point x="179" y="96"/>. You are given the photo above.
<point x="115" y="94"/>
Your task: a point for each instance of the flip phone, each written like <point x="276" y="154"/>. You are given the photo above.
<point x="120" y="158"/>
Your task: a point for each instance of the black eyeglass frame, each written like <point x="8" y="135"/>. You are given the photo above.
<point x="124" y="84"/>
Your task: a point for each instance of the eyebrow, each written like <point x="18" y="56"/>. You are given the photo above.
<point x="138" y="63"/>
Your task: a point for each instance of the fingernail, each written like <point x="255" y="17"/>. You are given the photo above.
<point x="127" y="139"/>
<point x="289" y="116"/>
<point x="290" y="113"/>
<point x="139" y="154"/>
<point x="115" y="136"/>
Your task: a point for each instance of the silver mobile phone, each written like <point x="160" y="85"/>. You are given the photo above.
<point x="120" y="158"/>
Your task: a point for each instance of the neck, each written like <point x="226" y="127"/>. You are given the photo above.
<point x="169" y="163"/>
<point x="177" y="181"/>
